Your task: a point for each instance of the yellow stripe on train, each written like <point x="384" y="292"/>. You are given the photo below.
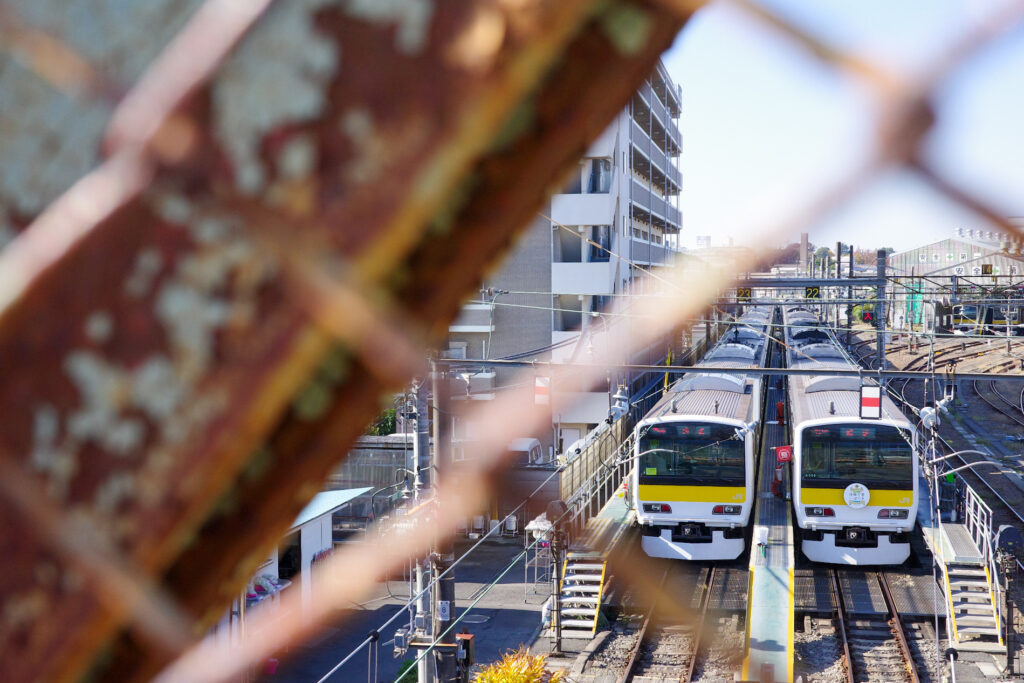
<point x="880" y="497"/>
<point x="694" y="494"/>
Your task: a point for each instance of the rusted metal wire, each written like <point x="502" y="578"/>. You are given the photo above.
<point x="195" y="328"/>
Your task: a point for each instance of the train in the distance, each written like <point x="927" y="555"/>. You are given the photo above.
<point x="855" y="480"/>
<point x="696" y="451"/>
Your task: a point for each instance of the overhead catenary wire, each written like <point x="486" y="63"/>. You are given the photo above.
<point x="434" y="579"/>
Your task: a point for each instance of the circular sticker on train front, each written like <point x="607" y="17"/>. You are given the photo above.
<point x="856" y="495"/>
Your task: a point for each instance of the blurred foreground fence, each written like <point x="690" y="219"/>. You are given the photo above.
<point x="238" y="226"/>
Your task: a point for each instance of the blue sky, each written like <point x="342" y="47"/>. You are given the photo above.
<point x="765" y="125"/>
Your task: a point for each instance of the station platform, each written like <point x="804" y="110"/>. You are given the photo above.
<point x="769" y="641"/>
<point x="604" y="530"/>
<point x="584" y="572"/>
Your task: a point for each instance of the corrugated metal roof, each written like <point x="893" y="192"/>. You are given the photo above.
<point x="327" y="501"/>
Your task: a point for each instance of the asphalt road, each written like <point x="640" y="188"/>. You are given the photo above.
<point x="507" y="616"/>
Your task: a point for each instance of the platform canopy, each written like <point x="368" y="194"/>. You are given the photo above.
<point x="327" y="501"/>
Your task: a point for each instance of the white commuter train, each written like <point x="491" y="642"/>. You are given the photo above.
<point x="696" y="451"/>
<point x="855" y="480"/>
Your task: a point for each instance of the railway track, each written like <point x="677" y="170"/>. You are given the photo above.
<point x="988" y="392"/>
<point x="998" y="493"/>
<point x="875" y="648"/>
<point x="665" y="650"/>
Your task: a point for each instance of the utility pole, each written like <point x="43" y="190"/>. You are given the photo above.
<point x="444" y="553"/>
<point x="420" y="463"/>
<point x="849" y="300"/>
<point x="880" y="309"/>
<point x="839" y="292"/>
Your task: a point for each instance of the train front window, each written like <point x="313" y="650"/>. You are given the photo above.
<point x="692" y="453"/>
<point x="835" y="455"/>
<point x="968" y="312"/>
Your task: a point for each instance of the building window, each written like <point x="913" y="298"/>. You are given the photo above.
<point x="601" y="242"/>
<point x="600" y="176"/>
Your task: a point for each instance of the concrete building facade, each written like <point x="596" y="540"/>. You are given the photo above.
<point x="615" y="217"/>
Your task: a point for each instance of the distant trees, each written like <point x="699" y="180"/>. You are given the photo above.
<point x="868" y="257"/>
<point x="386" y="423"/>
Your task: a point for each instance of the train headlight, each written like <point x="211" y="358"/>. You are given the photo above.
<point x="893" y="513"/>
<point x="726" y="510"/>
<point x="819" y="512"/>
<point x="657" y="507"/>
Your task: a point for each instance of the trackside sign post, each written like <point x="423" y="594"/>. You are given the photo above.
<point x="542" y="391"/>
<point x="870" y="403"/>
<point x="784" y="454"/>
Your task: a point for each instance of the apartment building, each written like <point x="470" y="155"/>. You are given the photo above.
<point x="617" y="215"/>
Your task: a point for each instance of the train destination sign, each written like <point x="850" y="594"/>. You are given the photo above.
<point x="871" y="402"/>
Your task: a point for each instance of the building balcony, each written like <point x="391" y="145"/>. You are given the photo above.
<point x="648" y="253"/>
<point x="655" y="155"/>
<point x="584" y="209"/>
<point x="473" y="318"/>
<point x="594" y="278"/>
<point x="661" y="210"/>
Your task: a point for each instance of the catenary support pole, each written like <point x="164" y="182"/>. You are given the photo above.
<point x="880" y="309"/>
<point x="849" y="297"/>
<point x="444" y="554"/>
<point x="421" y="462"/>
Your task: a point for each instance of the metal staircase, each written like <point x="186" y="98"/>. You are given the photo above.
<point x="973" y="612"/>
<point x="581" y="591"/>
<point x="973" y="594"/>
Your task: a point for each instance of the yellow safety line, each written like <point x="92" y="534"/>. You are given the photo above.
<point x="949" y="599"/>
<point x="600" y="595"/>
<point x="995" y="614"/>
<point x="792" y="626"/>
<point x="561" y="581"/>
<point x="746" y="635"/>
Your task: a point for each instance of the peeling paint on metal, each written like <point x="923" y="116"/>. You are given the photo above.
<point x="49" y="140"/>
<point x="411" y="17"/>
<point x="25" y="608"/>
<point x="118" y="37"/>
<point x="148" y="263"/>
<point x="297" y="158"/>
<point x="99" y="327"/>
<point x="103" y="390"/>
<point x="278" y="75"/>
<point x="371" y="150"/>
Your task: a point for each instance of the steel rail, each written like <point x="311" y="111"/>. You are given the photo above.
<point x="837" y="596"/>
<point x="997" y="405"/>
<point x="634" y="656"/>
<point x="698" y="635"/>
<point x="897" y="626"/>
